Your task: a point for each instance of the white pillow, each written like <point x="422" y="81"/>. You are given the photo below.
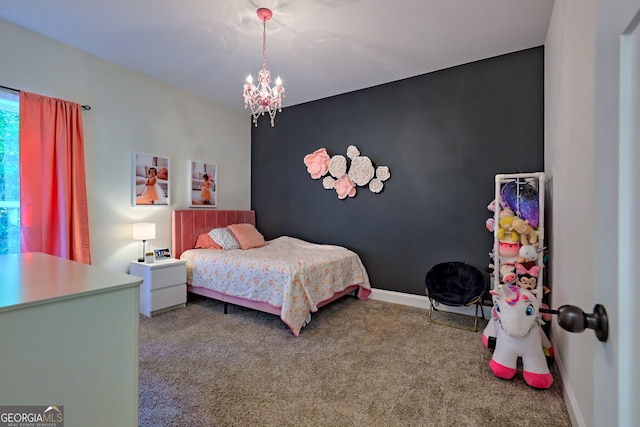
<point x="225" y="238"/>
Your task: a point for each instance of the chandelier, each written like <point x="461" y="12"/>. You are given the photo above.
<point x="262" y="98"/>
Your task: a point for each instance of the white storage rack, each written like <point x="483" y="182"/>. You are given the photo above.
<point x="536" y="179"/>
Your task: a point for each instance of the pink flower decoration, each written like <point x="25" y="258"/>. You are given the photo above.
<point x="344" y="187"/>
<point x="317" y="163"/>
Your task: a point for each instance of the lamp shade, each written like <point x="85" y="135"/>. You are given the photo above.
<point x="144" y="231"/>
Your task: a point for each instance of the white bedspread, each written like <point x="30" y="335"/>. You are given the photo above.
<point x="287" y="273"/>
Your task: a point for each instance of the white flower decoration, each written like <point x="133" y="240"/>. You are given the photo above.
<point x="375" y="185"/>
<point x="382" y="173"/>
<point x="328" y="182"/>
<point x="352" y="151"/>
<point x="337" y="166"/>
<point x="361" y="170"/>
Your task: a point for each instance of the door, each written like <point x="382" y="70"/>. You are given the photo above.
<point x="629" y="231"/>
<point x="617" y="196"/>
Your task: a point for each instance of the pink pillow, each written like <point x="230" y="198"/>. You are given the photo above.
<point x="206" y="242"/>
<point x="163" y="173"/>
<point x="247" y="236"/>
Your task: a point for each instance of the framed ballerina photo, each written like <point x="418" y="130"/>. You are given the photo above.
<point x="150" y="180"/>
<point x="203" y="185"/>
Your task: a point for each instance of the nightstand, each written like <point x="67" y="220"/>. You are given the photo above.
<point x="164" y="286"/>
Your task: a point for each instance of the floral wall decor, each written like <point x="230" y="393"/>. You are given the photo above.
<point x="344" y="174"/>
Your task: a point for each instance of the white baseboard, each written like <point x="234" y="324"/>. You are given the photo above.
<point x="419" y="301"/>
<point x="411" y="300"/>
<point x="567" y="391"/>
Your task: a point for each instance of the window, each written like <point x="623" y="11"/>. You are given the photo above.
<point x="9" y="172"/>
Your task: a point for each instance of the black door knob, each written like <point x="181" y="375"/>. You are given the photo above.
<point x="573" y="319"/>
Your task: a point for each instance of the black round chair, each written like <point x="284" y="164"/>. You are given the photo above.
<point x="455" y="284"/>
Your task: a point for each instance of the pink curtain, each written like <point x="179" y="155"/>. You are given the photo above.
<point x="53" y="192"/>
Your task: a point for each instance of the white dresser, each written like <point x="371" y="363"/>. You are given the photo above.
<point x="164" y="286"/>
<point x="69" y="335"/>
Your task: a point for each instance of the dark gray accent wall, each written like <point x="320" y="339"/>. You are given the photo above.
<point x="444" y="136"/>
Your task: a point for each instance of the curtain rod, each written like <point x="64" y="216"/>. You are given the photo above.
<point x="84" y="107"/>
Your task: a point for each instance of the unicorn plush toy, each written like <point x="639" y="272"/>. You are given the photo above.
<point x="515" y="324"/>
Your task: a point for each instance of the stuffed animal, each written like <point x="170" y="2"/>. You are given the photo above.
<point x="492" y="206"/>
<point x="527" y="281"/>
<point x="527" y="278"/>
<point x="491" y="332"/>
<point x="490" y="223"/>
<point x="523" y="198"/>
<point x="546" y="316"/>
<point x="505" y="226"/>
<point x="508" y="252"/>
<point x="515" y="324"/>
<point x="527" y="256"/>
<point x="508" y="274"/>
<point x="528" y="236"/>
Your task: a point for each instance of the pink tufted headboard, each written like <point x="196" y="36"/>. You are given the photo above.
<point x="188" y="224"/>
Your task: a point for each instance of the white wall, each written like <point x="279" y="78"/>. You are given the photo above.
<point x="131" y="112"/>
<point x="582" y="99"/>
<point x="569" y="167"/>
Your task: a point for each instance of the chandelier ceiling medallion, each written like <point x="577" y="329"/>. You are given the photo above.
<point x="262" y="98"/>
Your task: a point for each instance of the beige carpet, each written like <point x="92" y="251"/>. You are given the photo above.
<point x="358" y="363"/>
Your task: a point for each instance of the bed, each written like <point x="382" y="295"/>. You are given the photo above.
<point x="288" y="277"/>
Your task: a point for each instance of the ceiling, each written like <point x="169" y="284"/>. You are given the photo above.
<point x="320" y="48"/>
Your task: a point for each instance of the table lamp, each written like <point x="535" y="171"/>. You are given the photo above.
<point x="144" y="231"/>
